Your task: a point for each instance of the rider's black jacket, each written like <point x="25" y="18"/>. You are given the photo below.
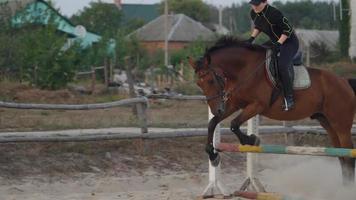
<point x="272" y="22"/>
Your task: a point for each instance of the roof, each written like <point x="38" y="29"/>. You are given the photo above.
<point x="145" y="12"/>
<point x="329" y="38"/>
<point x="182" y="29"/>
<point x="41" y="8"/>
<point x="216" y="28"/>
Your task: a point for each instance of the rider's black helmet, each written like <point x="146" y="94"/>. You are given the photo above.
<point x="256" y="2"/>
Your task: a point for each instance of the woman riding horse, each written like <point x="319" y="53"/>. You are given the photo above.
<point x="269" y="20"/>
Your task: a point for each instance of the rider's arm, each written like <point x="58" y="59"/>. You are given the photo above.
<point x="278" y="19"/>
<point x="282" y="39"/>
<point x="255" y="32"/>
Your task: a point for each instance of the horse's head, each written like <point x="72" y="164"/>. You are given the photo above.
<point x="212" y="81"/>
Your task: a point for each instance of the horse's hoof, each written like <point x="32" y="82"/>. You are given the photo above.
<point x="215" y="162"/>
<point x="255" y="139"/>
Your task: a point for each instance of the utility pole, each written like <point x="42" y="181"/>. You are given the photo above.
<point x="220" y="15"/>
<point x="166" y="33"/>
<point x="334" y="10"/>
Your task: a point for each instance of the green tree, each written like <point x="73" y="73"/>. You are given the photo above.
<point x="195" y="9"/>
<point x="302" y="14"/>
<point x="99" y="17"/>
<point x="308" y="14"/>
<point x="42" y="59"/>
<point x="8" y="42"/>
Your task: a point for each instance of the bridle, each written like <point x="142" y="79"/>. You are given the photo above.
<point x="220" y="80"/>
<point x="225" y="95"/>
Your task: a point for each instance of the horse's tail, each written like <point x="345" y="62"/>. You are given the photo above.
<point x="352" y="83"/>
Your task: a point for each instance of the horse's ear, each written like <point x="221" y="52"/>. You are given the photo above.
<point x="192" y="62"/>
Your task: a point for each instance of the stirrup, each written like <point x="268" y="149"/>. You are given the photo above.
<point x="286" y="106"/>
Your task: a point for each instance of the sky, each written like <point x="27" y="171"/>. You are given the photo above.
<point x="69" y="7"/>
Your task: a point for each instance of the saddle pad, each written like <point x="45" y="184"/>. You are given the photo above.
<point x="301" y="75"/>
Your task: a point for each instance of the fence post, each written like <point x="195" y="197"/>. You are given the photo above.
<point x="142" y="115"/>
<point x="106" y="72"/>
<point x="93" y="79"/>
<point x="111" y="70"/>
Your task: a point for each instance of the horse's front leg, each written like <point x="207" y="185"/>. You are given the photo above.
<point x="250" y="111"/>
<point x="213" y="156"/>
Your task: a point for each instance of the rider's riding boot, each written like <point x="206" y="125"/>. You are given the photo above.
<point x="287" y="81"/>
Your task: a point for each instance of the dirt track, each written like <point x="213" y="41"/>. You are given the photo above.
<point x="174" y="169"/>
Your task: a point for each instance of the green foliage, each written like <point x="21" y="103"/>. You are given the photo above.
<point x="308" y="14"/>
<point x="194" y="50"/>
<point x="45" y="64"/>
<point x="7" y="42"/>
<point x="132" y="25"/>
<point x="94" y="55"/>
<point x="103" y="18"/>
<point x="305" y="14"/>
<point x="195" y="9"/>
<point x="36" y="53"/>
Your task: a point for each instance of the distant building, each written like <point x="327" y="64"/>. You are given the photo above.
<point x="183" y="30"/>
<point x="216" y="28"/>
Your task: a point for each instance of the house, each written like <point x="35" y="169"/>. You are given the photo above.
<point x="218" y="29"/>
<point x="182" y="30"/>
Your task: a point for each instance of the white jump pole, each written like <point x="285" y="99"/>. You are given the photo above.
<point x="251" y="182"/>
<point x="215" y="186"/>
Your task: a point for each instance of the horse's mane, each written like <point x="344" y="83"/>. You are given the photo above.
<point x="227" y="42"/>
<point x="232" y="41"/>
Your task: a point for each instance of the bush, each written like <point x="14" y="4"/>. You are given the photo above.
<point x="323" y="54"/>
<point x="42" y="60"/>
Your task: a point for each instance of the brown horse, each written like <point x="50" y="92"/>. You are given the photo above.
<point x="231" y="76"/>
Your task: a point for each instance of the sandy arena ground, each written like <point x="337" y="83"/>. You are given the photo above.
<point x="168" y="169"/>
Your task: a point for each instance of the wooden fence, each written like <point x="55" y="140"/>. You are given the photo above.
<point x="141" y="104"/>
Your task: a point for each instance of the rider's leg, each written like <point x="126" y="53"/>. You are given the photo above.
<point x="285" y="68"/>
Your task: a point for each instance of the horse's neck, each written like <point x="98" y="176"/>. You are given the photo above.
<point x="253" y="61"/>
<point x="253" y="70"/>
<point x="241" y="63"/>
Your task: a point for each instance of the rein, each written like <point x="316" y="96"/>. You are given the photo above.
<point x="225" y="95"/>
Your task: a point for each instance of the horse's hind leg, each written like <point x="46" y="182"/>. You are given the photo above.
<point x="326" y="125"/>
<point x="347" y="164"/>
<point x="342" y="127"/>
<point x="331" y="132"/>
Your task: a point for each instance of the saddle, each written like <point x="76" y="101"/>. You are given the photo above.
<point x="301" y="76"/>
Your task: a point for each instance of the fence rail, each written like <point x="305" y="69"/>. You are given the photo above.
<point x="176" y="97"/>
<point x="141" y="104"/>
<point x="140" y="100"/>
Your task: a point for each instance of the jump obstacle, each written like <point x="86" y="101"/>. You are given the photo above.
<point x="290" y="150"/>
<point x="259" y="193"/>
